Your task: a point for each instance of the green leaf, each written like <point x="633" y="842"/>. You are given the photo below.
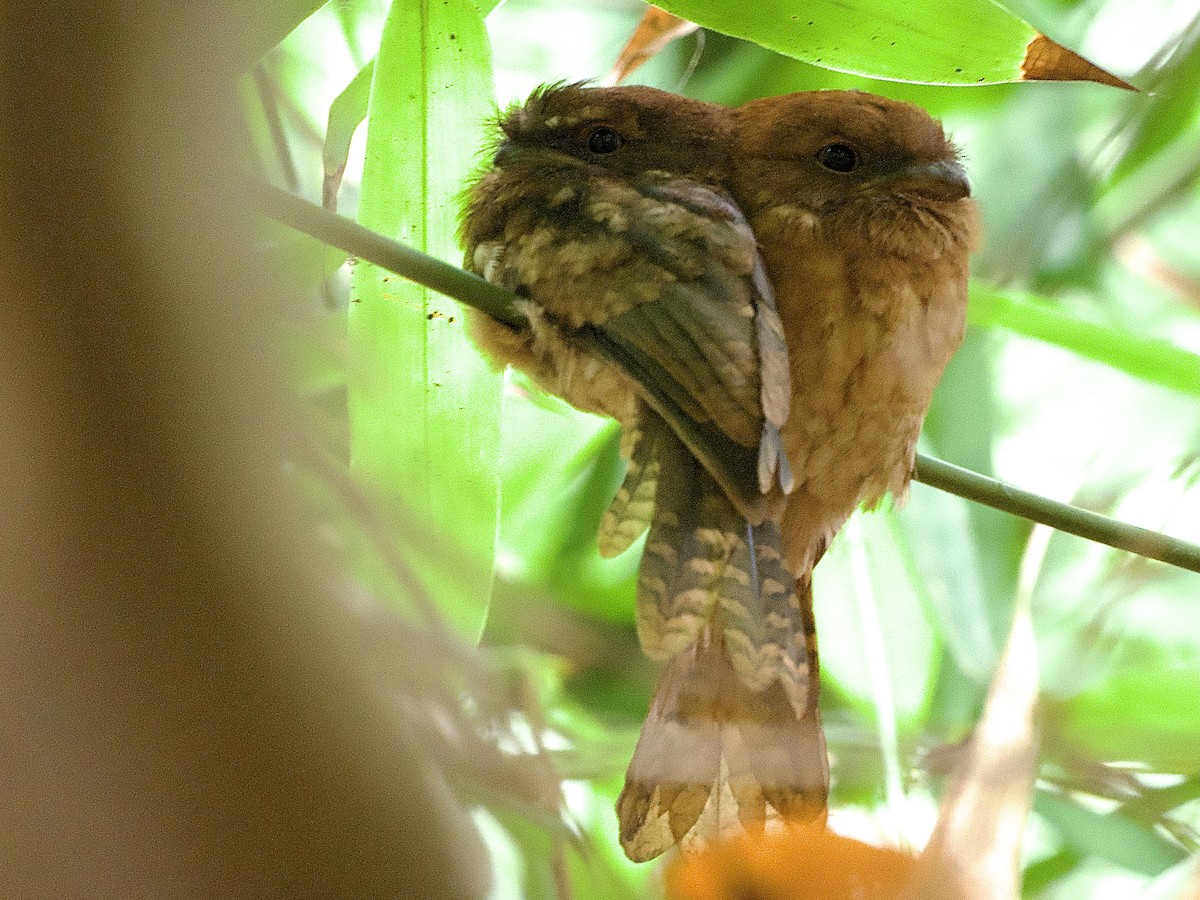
<point x="561" y="468"/>
<point x="1177" y="883"/>
<point x="423" y="404"/>
<point x="1145" y="711"/>
<point x="1167" y="116"/>
<point x="877" y="645"/>
<point x="1111" y="836"/>
<point x="1039" y="876"/>
<point x="932" y="41"/>
<point x="267" y="24"/>
<point x="961" y="426"/>
<point x="346" y="113"/>
<point x="1150" y="359"/>
<point x="947" y="555"/>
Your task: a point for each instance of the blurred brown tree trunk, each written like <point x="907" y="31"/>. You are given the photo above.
<point x="182" y="710"/>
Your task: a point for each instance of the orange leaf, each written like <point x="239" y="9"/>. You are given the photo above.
<point x="655" y="31"/>
<point x="1046" y="60"/>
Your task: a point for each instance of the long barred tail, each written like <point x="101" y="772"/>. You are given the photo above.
<point x="734" y="735"/>
<point x="716" y="756"/>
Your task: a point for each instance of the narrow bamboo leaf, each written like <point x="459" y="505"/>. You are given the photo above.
<point x="550" y="514"/>
<point x="1150" y="359"/>
<point x="961" y="427"/>
<point x="946" y="553"/>
<point x="595" y="474"/>
<point x="269" y="23"/>
<point x="925" y="41"/>
<point x="422" y="403"/>
<point x="1169" y="115"/>
<point x="346" y="113"/>
<point x="1038" y="877"/>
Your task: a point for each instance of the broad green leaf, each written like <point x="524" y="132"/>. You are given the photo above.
<point x="422" y="403"/>
<point x="930" y="41"/>
<point x="1151" y="359"/>
<point x="346" y="113"/>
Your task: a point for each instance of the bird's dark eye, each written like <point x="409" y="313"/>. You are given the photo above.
<point x="837" y="157"/>
<point x="603" y="139"/>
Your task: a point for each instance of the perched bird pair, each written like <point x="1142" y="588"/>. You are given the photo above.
<point x="764" y="298"/>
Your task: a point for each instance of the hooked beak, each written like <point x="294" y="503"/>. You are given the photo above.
<point x="942" y="180"/>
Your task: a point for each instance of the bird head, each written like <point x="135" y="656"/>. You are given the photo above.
<point x="627" y="131"/>
<point x="851" y="164"/>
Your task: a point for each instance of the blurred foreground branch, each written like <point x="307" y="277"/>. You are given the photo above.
<point x="497" y="302"/>
<point x="184" y="701"/>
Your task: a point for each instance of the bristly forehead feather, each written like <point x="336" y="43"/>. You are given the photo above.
<point x="557" y="105"/>
<point x="635" y="110"/>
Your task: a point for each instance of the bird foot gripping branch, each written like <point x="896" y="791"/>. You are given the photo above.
<point x="764" y="298"/>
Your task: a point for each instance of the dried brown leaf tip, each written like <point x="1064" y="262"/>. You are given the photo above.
<point x="655" y="31"/>
<point x="1046" y="60"/>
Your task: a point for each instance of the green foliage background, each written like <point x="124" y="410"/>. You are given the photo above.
<point x="1079" y="379"/>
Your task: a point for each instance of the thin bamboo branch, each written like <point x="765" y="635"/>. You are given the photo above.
<point x="1064" y="517"/>
<point x="340" y="232"/>
<point x="498" y="303"/>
